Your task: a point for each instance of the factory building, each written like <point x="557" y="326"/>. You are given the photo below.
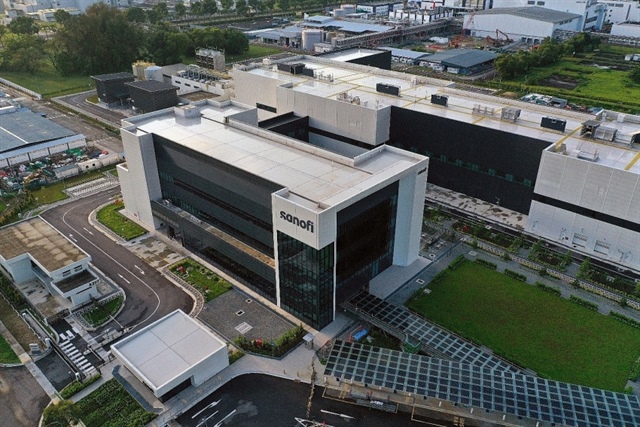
<point x="26" y="136"/>
<point x="151" y="95"/>
<point x="528" y="24"/>
<point x="460" y="61"/>
<point x="502" y="151"/>
<point x="306" y="219"/>
<point x="621" y="11"/>
<point x="626" y="29"/>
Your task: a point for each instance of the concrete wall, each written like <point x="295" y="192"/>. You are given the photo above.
<point x="626" y="30"/>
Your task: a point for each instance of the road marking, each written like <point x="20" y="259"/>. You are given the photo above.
<point x="206" y="419"/>
<point x="141" y="270"/>
<point x="122" y="277"/>
<point x="230" y="414"/>
<point x="72" y="238"/>
<point x="64" y="219"/>
<point x="335" y="413"/>
<point x="205" y="408"/>
<point x="88" y="231"/>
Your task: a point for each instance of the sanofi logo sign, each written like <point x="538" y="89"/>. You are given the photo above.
<point x="305" y="225"/>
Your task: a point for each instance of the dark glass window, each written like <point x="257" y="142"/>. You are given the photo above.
<point x="306" y="280"/>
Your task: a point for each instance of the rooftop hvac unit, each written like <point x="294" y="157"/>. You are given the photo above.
<point x="387" y="88"/>
<point x="586" y="155"/>
<point x="553" y="123"/>
<point x="605" y="133"/>
<point x="510" y="114"/>
<point x="439" y="99"/>
<point x="297" y="68"/>
<point x="483" y="110"/>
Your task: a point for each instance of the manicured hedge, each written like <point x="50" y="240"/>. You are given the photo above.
<point x="584" y="303"/>
<point x="548" y="288"/>
<point x="486" y="263"/>
<point x="515" y="275"/>
<point x="456" y="262"/>
<point x="624" y="319"/>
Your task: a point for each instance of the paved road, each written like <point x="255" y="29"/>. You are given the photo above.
<point x="260" y="400"/>
<point x="80" y="101"/>
<point x="149" y="294"/>
<point x="22" y="400"/>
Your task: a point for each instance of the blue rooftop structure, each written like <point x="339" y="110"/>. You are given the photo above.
<point x="22" y="127"/>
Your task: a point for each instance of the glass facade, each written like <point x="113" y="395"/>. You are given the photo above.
<point x="306" y="280"/>
<point x="365" y="240"/>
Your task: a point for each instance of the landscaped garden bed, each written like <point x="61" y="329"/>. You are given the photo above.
<point x="204" y="280"/>
<point x="110" y="217"/>
<point x="276" y="348"/>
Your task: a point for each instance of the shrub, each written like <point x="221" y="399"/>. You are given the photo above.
<point x="515" y="275"/>
<point x="456" y="262"/>
<point x="543" y="272"/>
<point x="548" y="288"/>
<point x="277" y="348"/>
<point x="624" y="319"/>
<point x="486" y="263"/>
<point x="77" y="386"/>
<point x="635" y="371"/>
<point x="586" y="304"/>
<point x="438" y="277"/>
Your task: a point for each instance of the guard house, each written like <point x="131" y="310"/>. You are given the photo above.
<point x="111" y="88"/>
<point x="34" y="250"/>
<point x="171" y="354"/>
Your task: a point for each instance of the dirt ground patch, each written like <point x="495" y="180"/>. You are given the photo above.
<point x="561" y="82"/>
<point x="16" y="325"/>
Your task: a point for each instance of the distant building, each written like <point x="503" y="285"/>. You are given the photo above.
<point x="406" y="56"/>
<point x="626" y="29"/>
<point x="529" y="24"/>
<point x="621" y="11"/>
<point x="112" y="88"/>
<point x="460" y="61"/>
<point x="210" y="58"/>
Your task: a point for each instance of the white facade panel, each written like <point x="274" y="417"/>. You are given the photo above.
<point x="58" y="149"/>
<point x="38" y="154"/>
<point x="79" y="143"/>
<point x="518" y="28"/>
<point x="587" y="235"/>
<point x="626" y="30"/>
<point x="411" y="193"/>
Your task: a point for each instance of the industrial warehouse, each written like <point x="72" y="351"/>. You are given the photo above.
<point x="305" y="223"/>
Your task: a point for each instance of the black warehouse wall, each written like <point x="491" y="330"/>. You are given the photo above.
<point x="489" y="164"/>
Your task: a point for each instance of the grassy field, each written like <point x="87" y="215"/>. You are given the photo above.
<point x="254" y="52"/>
<point x="553" y="336"/>
<point x="53" y="193"/>
<point x="48" y="82"/>
<point x="7" y="355"/>
<point x="594" y="85"/>
<point x="118" y="223"/>
<point x="206" y="281"/>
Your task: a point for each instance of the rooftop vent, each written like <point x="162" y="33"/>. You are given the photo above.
<point x="483" y="110"/>
<point x="586" y="155"/>
<point x="510" y="114"/>
<point x="439" y="99"/>
<point x="553" y="123"/>
<point x="605" y="133"/>
<point x="387" y="88"/>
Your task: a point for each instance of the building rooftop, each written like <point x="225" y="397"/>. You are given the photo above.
<point x="463" y="58"/>
<point x="167" y="348"/>
<point x="113" y="76"/>
<point x="75" y="281"/>
<point x="406" y="53"/>
<point x="320" y="178"/>
<point x="45" y="244"/>
<point x="347" y="26"/>
<point x="350" y="54"/>
<point x="22" y="127"/>
<point x="532" y="12"/>
<point x="152" y="86"/>
<point x="464" y="106"/>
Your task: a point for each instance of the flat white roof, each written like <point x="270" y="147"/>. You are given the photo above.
<point x="416" y="91"/>
<point x="350" y="55"/>
<point x="167" y="348"/>
<point x="320" y="177"/>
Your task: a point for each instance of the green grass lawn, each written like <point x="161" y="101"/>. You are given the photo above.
<point x="48" y="82"/>
<point x="110" y="405"/>
<point x="206" y="281"/>
<point x="553" y="336"/>
<point x="102" y="313"/>
<point x="7" y="355"/>
<point x="255" y="51"/>
<point x="118" y="223"/>
<point x="53" y="193"/>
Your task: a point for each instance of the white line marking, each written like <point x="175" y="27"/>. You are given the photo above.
<point x="122" y="277"/>
<point x="206" y="419"/>
<point x="85" y="229"/>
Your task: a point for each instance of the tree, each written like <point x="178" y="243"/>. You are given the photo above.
<point x="180" y="9"/>
<point x="22" y="52"/>
<point x="226" y="5"/>
<point x="153" y="16"/>
<point x="23" y="25"/>
<point x="196" y="8"/>
<point x="166" y="45"/>
<point x="61" y="16"/>
<point x="634" y="75"/>
<point x="585" y="267"/>
<point x="161" y="9"/>
<point x="136" y="14"/>
<point x="102" y="40"/>
<point x="235" y="41"/>
<point x="209" y="7"/>
<point x="241" y="7"/>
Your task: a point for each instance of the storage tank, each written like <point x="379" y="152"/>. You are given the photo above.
<point x="349" y="8"/>
<point x="339" y="13"/>
<point x="153" y="72"/>
<point x="139" y="67"/>
<point x="311" y="37"/>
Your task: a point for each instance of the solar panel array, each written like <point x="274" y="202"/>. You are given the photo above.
<point x="432" y="337"/>
<point x="505" y="392"/>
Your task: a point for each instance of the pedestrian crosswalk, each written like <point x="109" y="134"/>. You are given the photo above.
<point x="75" y="355"/>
